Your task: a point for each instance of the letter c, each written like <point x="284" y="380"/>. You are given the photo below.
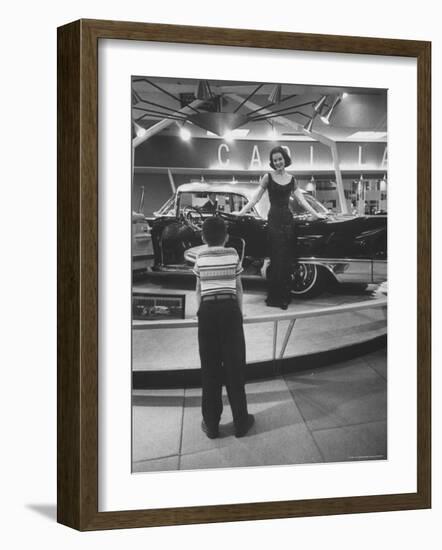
<point x="225" y="147"/>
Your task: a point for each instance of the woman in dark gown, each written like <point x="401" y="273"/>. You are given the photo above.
<point x="280" y="186"/>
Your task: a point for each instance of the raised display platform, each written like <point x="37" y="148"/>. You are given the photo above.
<point x="335" y="326"/>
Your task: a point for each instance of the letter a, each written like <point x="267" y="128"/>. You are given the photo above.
<point x="256" y="159"/>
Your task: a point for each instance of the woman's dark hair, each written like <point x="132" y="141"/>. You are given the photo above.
<point x="285" y="155"/>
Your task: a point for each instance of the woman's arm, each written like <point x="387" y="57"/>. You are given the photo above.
<point x="261" y="190"/>
<point x="305" y="204"/>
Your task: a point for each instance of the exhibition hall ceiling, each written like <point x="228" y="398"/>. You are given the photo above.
<point x="259" y="110"/>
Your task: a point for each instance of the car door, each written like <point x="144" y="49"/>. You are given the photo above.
<point x="252" y="229"/>
<point x="380" y="257"/>
<point x="310" y="232"/>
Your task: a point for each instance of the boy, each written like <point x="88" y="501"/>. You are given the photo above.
<point x="220" y="330"/>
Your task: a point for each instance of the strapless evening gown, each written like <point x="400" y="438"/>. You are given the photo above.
<point x="282" y="241"/>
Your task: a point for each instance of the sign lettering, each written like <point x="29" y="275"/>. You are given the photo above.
<point x="256" y="159"/>
<point x="224" y="147"/>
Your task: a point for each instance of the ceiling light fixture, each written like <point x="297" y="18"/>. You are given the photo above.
<point x="276" y="94"/>
<point x="308" y="127"/>
<point x="238" y="133"/>
<point x="229" y="136"/>
<point x="368" y="136"/>
<point x="206" y="113"/>
<point x="185" y="133"/>
<point x="319" y="104"/>
<point x="272" y="133"/>
<point x="203" y="90"/>
<point x="139" y="130"/>
<point x="326" y="117"/>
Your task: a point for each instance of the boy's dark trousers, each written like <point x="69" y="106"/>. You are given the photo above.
<point x="222" y="353"/>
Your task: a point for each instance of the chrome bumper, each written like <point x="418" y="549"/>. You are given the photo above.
<point x="351" y="270"/>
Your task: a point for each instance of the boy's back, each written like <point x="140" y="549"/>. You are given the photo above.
<point x="218" y="268"/>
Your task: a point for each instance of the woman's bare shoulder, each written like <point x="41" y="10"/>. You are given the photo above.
<point x="264" y="180"/>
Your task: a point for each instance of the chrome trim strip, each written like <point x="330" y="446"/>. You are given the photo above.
<point x="345" y="270"/>
<point x="314" y="259"/>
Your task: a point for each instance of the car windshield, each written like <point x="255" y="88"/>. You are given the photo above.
<point x="209" y="202"/>
<point x="299" y="210"/>
<point x="168" y="209"/>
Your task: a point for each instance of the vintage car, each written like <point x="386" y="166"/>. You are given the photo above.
<point x="343" y="249"/>
<point x="141" y="243"/>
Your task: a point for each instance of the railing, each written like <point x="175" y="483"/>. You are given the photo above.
<point x="291" y="316"/>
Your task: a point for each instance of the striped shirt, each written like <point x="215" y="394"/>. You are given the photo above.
<point x="217" y="268"/>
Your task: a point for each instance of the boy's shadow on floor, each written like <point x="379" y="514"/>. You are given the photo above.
<point x="228" y="430"/>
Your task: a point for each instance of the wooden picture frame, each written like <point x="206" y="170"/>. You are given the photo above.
<point x="77" y="224"/>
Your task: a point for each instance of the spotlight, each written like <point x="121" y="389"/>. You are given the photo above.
<point x="272" y="133"/>
<point x="203" y="90"/>
<point x="185" y="134"/>
<point x="229" y="136"/>
<point x="139" y="130"/>
<point x="318" y="105"/>
<point x="326" y="117"/>
<point x="275" y="96"/>
<point x="308" y="127"/>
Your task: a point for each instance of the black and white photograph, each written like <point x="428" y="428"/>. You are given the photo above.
<point x="265" y="204"/>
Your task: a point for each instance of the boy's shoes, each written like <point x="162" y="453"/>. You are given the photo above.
<point x="212" y="433"/>
<point x="241" y="432"/>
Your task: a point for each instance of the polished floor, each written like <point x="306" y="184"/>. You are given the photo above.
<point x="330" y="414"/>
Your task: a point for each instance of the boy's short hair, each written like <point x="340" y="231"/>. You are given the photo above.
<point x="214" y="231"/>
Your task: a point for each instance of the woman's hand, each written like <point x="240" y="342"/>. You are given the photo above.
<point x="317" y="216"/>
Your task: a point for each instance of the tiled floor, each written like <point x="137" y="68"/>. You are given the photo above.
<point x="336" y="413"/>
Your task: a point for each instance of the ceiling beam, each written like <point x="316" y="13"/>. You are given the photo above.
<point x="319" y="137"/>
<point x="165" y="123"/>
